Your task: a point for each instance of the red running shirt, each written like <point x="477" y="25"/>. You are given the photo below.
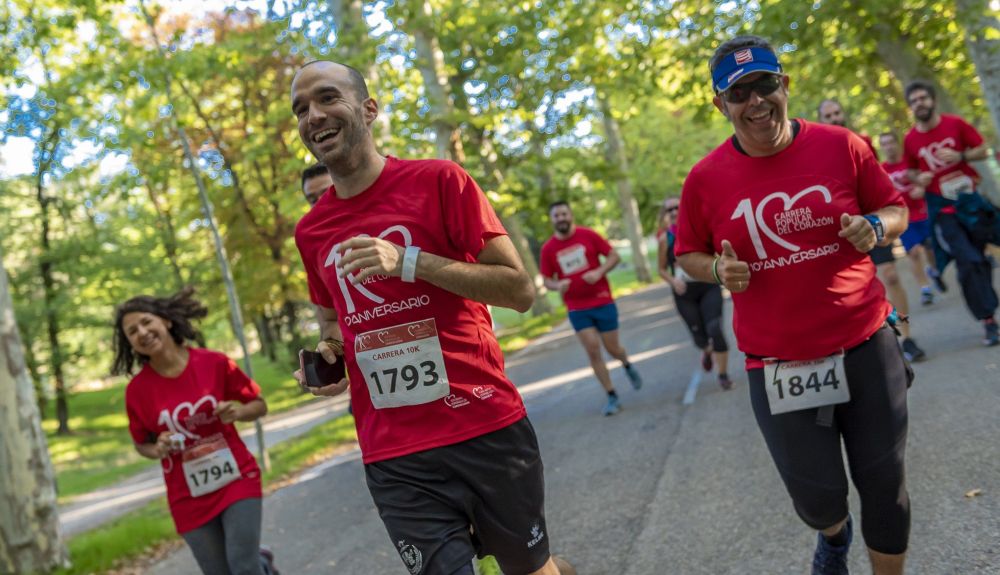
<point x="898" y="174"/>
<point x="920" y="148"/>
<point x="425" y="368"/>
<point x="811" y="293"/>
<point x="573" y="257"/>
<point x="184" y="404"/>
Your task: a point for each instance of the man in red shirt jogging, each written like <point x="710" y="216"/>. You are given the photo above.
<point x="783" y="215"/>
<point x="571" y="264"/>
<point x="402" y="257"/>
<point x="937" y="151"/>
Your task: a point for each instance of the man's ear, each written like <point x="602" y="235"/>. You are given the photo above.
<point x="720" y="105"/>
<point x="371" y="110"/>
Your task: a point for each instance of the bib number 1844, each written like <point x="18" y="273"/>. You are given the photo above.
<point x="797" y="385"/>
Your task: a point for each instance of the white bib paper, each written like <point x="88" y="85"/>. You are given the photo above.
<point x="209" y="466"/>
<point x="797" y="385"/>
<point x="952" y="187"/>
<point x="403" y="364"/>
<point x="572" y="260"/>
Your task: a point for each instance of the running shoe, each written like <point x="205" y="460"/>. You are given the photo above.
<point x="926" y="295"/>
<point x="706" y="360"/>
<point x="936" y="278"/>
<point x="992" y="332"/>
<point x="267" y="561"/>
<point x="911" y="351"/>
<point x="831" y="559"/>
<point x="612" y="406"/>
<point x="633" y="376"/>
<point x="725" y="382"/>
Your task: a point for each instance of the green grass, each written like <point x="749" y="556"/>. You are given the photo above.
<point x="99" y="451"/>
<point x="137" y="532"/>
<point x="488" y="566"/>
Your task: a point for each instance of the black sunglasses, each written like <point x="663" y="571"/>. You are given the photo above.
<point x="673" y="209"/>
<point x="739" y="93"/>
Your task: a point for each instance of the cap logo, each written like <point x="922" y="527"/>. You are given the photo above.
<point x="743" y="56"/>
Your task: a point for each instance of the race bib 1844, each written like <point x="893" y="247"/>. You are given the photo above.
<point x="797" y="385"/>
<point x="403" y="364"/>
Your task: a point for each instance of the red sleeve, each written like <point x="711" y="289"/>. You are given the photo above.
<point x="909" y="155"/>
<point x="317" y="288"/>
<point x="875" y="189"/>
<point x="693" y="232"/>
<point x="469" y="218"/>
<point x="599" y="243"/>
<point x="139" y="432"/>
<point x="970" y="136"/>
<point x="238" y="385"/>
<point x="545" y="264"/>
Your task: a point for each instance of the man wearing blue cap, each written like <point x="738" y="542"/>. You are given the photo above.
<point x="783" y="214"/>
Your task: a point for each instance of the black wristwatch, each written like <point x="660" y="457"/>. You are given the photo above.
<point x="876" y="223"/>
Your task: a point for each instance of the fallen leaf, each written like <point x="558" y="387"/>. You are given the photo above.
<point x="973" y="493"/>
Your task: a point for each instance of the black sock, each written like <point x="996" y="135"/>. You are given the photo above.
<point x="613" y="394"/>
<point x="723" y="375"/>
<point x="838" y="540"/>
<point x="626" y="364"/>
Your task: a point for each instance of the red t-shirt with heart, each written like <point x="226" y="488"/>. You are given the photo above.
<point x="571" y="258"/>
<point x="811" y="293"/>
<point x="184" y="404"/>
<point x="424" y="366"/>
<point x="920" y="153"/>
<point x="898" y="174"/>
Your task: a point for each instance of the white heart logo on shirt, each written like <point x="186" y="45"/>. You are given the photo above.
<point x="788" y="202"/>
<point x="191" y="410"/>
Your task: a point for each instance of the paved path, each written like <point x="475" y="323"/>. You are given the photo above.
<point x="675" y="486"/>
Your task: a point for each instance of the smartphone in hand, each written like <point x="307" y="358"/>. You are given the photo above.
<point x="317" y="371"/>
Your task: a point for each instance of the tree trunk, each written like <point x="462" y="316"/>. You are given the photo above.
<point x="981" y="27"/>
<point x="29" y="518"/>
<point x="236" y="313"/>
<point x="165" y="222"/>
<point x="615" y="152"/>
<point x="430" y="62"/>
<point x="51" y="313"/>
<point x="265" y="336"/>
<point x="514" y="229"/>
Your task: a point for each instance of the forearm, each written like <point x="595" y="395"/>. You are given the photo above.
<point x="610" y="262"/>
<point x="698" y="265"/>
<point x="894" y="221"/>
<point x="492" y="284"/>
<point x="148" y="450"/>
<point x="252" y="410"/>
<point x="551" y="283"/>
<point x="976" y="154"/>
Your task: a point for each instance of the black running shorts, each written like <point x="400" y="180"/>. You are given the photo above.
<point x="483" y="496"/>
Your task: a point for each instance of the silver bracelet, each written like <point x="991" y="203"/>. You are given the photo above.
<point x="410" y="264"/>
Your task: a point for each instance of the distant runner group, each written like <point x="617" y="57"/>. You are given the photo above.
<point x="796" y="221"/>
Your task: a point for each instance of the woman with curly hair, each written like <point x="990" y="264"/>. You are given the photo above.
<point x="181" y="407"/>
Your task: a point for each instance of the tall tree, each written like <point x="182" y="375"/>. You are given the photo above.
<point x="29" y="519"/>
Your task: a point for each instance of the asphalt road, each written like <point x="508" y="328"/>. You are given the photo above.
<point x="680" y="481"/>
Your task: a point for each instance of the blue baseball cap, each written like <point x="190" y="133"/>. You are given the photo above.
<point x="742" y="62"/>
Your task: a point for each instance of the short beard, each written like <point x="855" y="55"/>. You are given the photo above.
<point x="926" y="115"/>
<point x="563" y="227"/>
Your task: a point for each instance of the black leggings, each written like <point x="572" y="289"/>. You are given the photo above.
<point x="701" y="308"/>
<point x="873" y="428"/>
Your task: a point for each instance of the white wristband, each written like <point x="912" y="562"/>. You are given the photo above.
<point x="410" y="264"/>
